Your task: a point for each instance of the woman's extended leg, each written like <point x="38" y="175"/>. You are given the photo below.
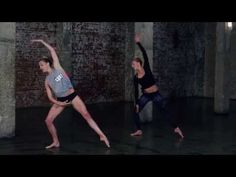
<point x="81" y="108"/>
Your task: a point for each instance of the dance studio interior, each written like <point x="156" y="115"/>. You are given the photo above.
<point x="193" y="63"/>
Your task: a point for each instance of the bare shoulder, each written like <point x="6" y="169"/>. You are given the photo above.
<point x="61" y="69"/>
<point x="57" y="65"/>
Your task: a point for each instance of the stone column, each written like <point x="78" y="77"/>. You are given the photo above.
<point x="64" y="45"/>
<point x="222" y="66"/>
<point x="129" y="87"/>
<point x="146" y="30"/>
<point x="233" y="63"/>
<point x="7" y="79"/>
<point x="210" y="55"/>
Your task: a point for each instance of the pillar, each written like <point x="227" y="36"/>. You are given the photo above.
<point x="222" y="66"/>
<point x="146" y="31"/>
<point x="210" y="55"/>
<point x="7" y="79"/>
<point x="129" y="74"/>
<point x="64" y="45"/>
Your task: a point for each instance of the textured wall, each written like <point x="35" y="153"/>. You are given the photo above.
<point x="99" y="51"/>
<point x="30" y="89"/>
<point x="97" y="56"/>
<point x="209" y="64"/>
<point x="233" y="64"/>
<point x="93" y="53"/>
<point x="130" y="46"/>
<point x="222" y="70"/>
<point x="7" y="79"/>
<point x="179" y="57"/>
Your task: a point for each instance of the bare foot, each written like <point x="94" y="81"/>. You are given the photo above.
<point x="104" y="138"/>
<point x="137" y="133"/>
<point x="54" y="144"/>
<point x="177" y="130"/>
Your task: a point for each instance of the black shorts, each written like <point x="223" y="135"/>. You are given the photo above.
<point x="68" y="98"/>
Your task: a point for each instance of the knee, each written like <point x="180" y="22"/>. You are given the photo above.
<point x="48" y="121"/>
<point x="136" y="112"/>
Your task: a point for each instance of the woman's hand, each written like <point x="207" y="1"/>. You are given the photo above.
<point x="137" y="38"/>
<point x="37" y="40"/>
<point x="65" y="103"/>
<point x="56" y="63"/>
<point x="137" y="108"/>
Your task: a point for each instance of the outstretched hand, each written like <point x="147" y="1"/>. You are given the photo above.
<point x="65" y="103"/>
<point x="36" y="40"/>
<point x="137" y="108"/>
<point x="137" y="38"/>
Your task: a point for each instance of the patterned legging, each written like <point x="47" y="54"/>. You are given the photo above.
<point x="160" y="101"/>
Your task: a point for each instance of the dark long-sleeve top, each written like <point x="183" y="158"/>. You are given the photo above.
<point x="147" y="80"/>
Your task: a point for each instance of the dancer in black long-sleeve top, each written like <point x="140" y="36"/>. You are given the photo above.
<point x="144" y="77"/>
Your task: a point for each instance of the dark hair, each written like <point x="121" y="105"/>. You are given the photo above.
<point x="47" y="60"/>
<point x="138" y="60"/>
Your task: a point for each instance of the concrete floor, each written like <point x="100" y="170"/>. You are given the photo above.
<point x="205" y="132"/>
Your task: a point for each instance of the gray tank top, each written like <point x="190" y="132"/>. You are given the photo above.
<point x="59" y="82"/>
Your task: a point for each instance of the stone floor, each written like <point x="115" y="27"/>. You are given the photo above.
<point x="205" y="132"/>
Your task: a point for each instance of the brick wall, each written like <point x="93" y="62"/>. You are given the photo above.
<point x="98" y="52"/>
<point x="29" y="80"/>
<point x="97" y="56"/>
<point x="178" y="58"/>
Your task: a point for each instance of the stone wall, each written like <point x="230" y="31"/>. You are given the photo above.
<point x="30" y="90"/>
<point x="98" y="52"/>
<point x="93" y="53"/>
<point x="178" y="60"/>
<point x="7" y="79"/>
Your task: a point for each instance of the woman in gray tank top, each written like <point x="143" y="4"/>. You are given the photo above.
<point x="58" y="83"/>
